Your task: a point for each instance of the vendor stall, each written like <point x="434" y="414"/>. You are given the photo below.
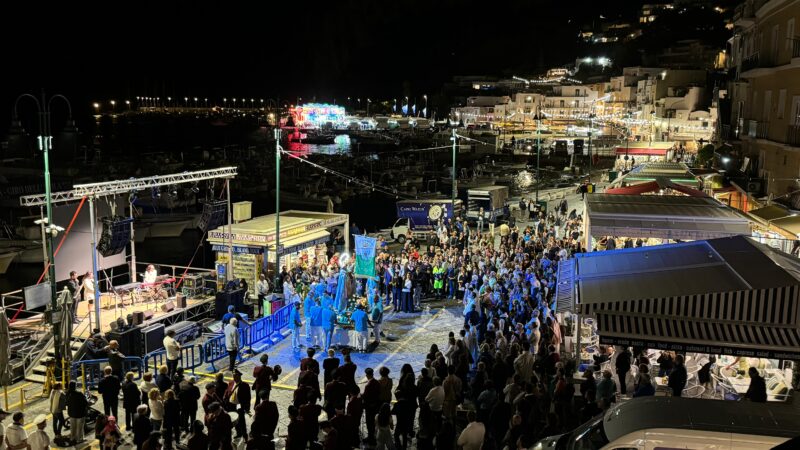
<point x="304" y="235"/>
<point x="777" y="227"/>
<point x="667" y="172"/>
<point x="729" y="296"/>
<point x="659" y="218"/>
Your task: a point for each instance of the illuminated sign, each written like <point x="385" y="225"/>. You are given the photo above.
<point x="315" y="115"/>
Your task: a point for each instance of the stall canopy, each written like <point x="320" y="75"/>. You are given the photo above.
<point x="721" y="296"/>
<point x="655" y="186"/>
<point x="778" y="219"/>
<point x="677" y="173"/>
<point x="662" y="216"/>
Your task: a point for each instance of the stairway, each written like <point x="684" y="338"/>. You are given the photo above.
<point x="37" y="372"/>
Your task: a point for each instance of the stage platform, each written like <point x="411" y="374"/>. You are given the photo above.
<point x="196" y="308"/>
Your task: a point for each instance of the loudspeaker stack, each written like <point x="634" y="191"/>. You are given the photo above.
<point x="116" y="235"/>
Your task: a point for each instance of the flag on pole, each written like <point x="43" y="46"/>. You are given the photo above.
<point x="365" y="256"/>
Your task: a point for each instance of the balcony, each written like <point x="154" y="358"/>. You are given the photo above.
<point x="757" y="129"/>
<point x="793" y="135"/>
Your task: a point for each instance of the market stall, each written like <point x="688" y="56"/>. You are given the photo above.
<point x="304" y="236"/>
<point x="728" y="297"/>
<point x="777" y="227"/>
<point x="659" y="219"/>
<point x="671" y="172"/>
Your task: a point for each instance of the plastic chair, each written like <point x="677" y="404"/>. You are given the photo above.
<point x="695" y="391"/>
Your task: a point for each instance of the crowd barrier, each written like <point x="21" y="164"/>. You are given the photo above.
<point x="258" y="331"/>
<point x="90" y="371"/>
<point x="192" y="356"/>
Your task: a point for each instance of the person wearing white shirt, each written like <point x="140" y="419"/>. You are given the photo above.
<point x="472" y="436"/>
<point x="88" y="287"/>
<point x="150" y="274"/>
<point x="39" y="440"/>
<point x="262" y="290"/>
<point x="435" y="397"/>
<point x="16" y="436"/>
<point x="232" y="341"/>
<point x="173" y="349"/>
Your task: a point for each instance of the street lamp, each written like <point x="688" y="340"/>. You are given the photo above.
<point x="538" y="119"/>
<point x="96" y="107"/>
<point x="45" y="141"/>
<point x="425" y="97"/>
<point x="128" y="104"/>
<point x="591" y="132"/>
<point x="195" y="102"/>
<point x="113" y="105"/>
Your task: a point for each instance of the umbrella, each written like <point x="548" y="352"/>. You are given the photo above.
<point x="5" y="340"/>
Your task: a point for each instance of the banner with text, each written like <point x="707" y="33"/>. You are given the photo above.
<point x="365" y="256"/>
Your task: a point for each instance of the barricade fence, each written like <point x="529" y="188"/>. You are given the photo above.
<point x="192" y="356"/>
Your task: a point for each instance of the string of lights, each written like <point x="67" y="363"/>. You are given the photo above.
<point x="351" y="179"/>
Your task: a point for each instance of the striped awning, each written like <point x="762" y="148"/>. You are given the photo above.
<point x="565" y="288"/>
<point x="700" y="336"/>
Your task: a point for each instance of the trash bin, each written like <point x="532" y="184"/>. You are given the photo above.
<point x="590" y="188"/>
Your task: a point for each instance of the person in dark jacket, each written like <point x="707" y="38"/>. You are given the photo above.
<point x="372" y="402"/>
<point x="623" y="367"/>
<point x="188" y="395"/>
<point x="329" y="365"/>
<point x="109" y="388"/>
<point x="163" y="380"/>
<point x="264" y="375"/>
<point x="219" y="427"/>
<point x="265" y="417"/>
<point x="115" y="358"/>
<point x="77" y="408"/>
<point x="141" y="426"/>
<point x="131" y="398"/>
<point x="172" y="419"/>
<point x="757" y="392"/>
<point x="678" y="377"/>
<point x="238" y="394"/>
<point x="198" y="440"/>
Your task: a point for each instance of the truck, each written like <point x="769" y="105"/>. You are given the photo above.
<point x="420" y="217"/>
<point x="493" y="200"/>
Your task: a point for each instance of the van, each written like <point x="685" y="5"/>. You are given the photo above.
<point x="668" y="423"/>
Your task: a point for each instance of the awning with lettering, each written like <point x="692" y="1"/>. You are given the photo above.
<point x="238" y="249"/>
<point x="298" y="243"/>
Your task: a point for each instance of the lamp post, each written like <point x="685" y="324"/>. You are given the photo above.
<point x="538" y="119"/>
<point x="455" y="187"/>
<point x="45" y="142"/>
<point x="591" y="132"/>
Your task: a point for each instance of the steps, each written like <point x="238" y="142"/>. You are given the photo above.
<point x="37" y="373"/>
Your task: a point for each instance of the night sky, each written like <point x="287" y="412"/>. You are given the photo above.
<point x="266" y="49"/>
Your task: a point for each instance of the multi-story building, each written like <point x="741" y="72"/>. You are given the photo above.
<point x="765" y="92"/>
<point x="569" y="102"/>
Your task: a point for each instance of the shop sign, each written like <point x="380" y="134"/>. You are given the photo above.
<point x="699" y="348"/>
<point x="237" y="249"/>
<point x="237" y="237"/>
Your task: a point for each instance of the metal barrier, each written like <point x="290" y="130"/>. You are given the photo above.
<point x="191" y="358"/>
<point x="214" y="349"/>
<point x="91" y="370"/>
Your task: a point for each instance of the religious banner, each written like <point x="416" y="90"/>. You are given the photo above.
<point x="365" y="256"/>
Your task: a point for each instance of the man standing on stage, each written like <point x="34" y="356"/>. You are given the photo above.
<point x="74" y="287"/>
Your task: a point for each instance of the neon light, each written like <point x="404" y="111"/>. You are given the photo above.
<point x="316" y="115"/>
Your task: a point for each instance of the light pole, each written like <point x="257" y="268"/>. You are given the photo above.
<point x="128" y="104"/>
<point x="425" y="97"/>
<point x="591" y="132"/>
<point x="455" y="187"/>
<point x="278" y="248"/>
<point x="538" y="119"/>
<point x="113" y="105"/>
<point x="45" y="141"/>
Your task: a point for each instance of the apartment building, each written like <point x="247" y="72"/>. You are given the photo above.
<point x="765" y="92"/>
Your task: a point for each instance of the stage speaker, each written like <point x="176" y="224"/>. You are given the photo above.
<point x="181" y="299"/>
<point x="167" y="307"/>
<point x="116" y="235"/>
<point x="214" y="215"/>
<point x="148" y="314"/>
<point x="153" y="337"/>
<point x="138" y="318"/>
<point x="130" y="341"/>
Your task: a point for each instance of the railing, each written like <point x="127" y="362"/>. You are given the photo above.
<point x="214" y="349"/>
<point x="758" y="129"/>
<point x="793" y="135"/>
<point x="91" y="371"/>
<point x="191" y="358"/>
<point x="750" y="62"/>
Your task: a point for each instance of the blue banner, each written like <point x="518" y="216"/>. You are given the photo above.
<point x="365" y="256"/>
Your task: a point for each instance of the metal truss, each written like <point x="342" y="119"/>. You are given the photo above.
<point x="126" y="186"/>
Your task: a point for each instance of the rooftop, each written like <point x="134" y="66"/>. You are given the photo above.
<point x="699" y="267"/>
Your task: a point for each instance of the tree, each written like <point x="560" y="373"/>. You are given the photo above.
<point x="705" y="154"/>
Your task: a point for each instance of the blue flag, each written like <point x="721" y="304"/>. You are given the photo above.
<point x="365" y="256"/>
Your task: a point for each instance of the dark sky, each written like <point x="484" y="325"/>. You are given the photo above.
<point x="264" y="48"/>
